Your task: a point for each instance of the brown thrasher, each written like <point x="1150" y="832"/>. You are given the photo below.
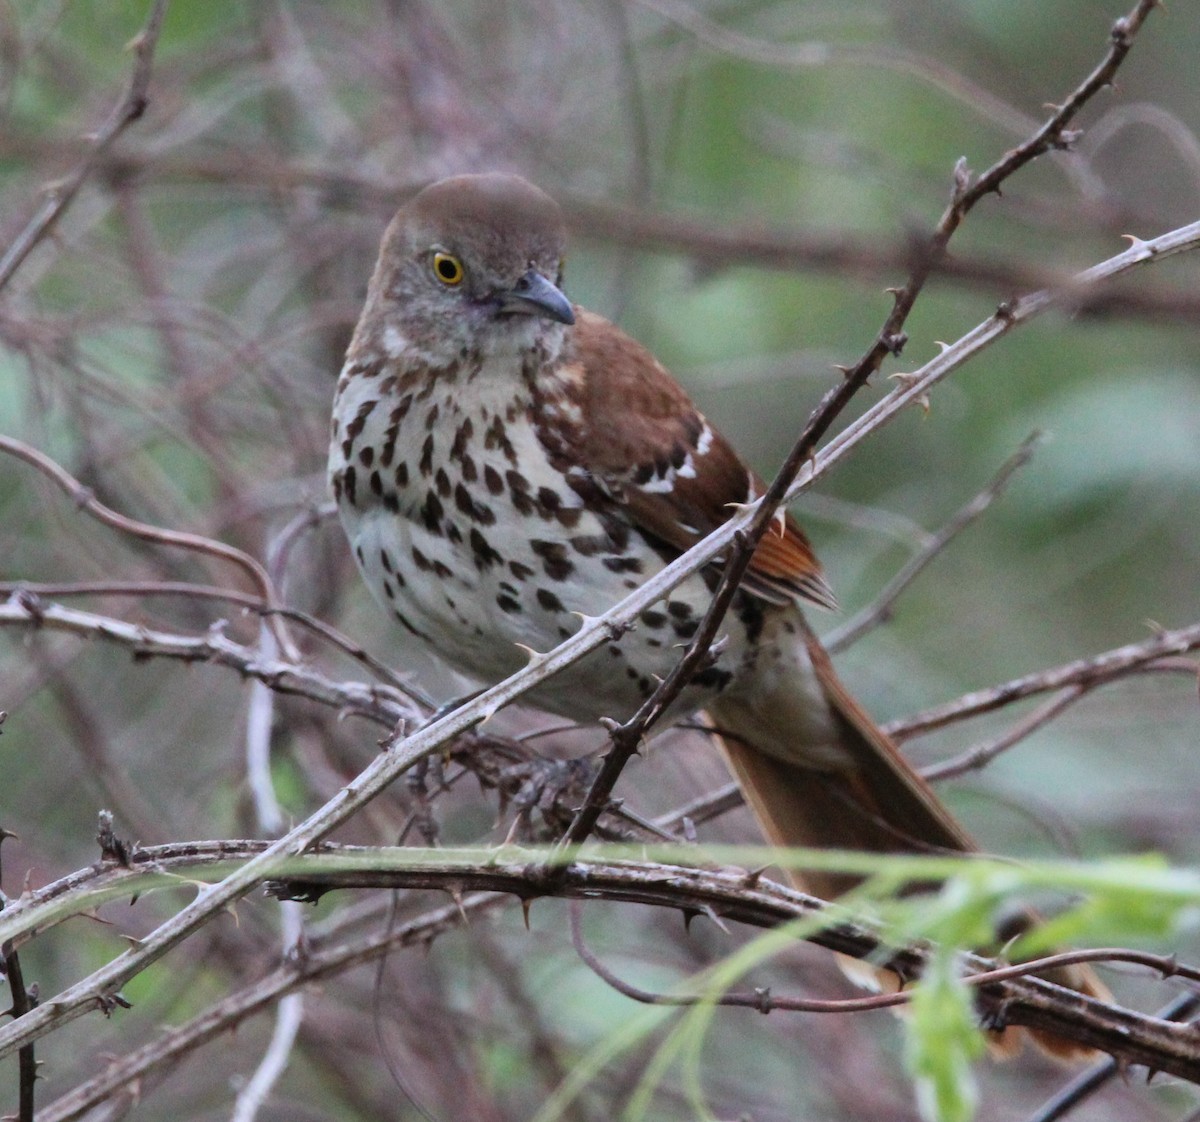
<point x="505" y="463"/>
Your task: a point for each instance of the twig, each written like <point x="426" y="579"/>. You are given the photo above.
<point x="879" y="611"/>
<point x="979" y="756"/>
<point x="1085" y="672"/>
<point x="129" y="109"/>
<point x="627" y="737"/>
<point x="197" y="543"/>
<point x="185" y="589"/>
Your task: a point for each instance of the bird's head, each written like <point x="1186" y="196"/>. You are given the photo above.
<point x="472" y="266"/>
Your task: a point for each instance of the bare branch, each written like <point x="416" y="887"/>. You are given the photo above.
<point x="196" y="543"/>
<point x="129" y="109"/>
<point x="1085" y="672"/>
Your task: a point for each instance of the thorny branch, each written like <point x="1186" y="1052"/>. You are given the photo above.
<point x="1010" y="994"/>
<point x="627" y="737"/>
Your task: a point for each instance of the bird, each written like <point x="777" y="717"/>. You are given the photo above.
<point x="506" y="464"/>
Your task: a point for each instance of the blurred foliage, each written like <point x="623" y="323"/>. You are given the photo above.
<point x="174" y="344"/>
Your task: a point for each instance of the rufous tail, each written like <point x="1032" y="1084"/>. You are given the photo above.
<point x="817" y="772"/>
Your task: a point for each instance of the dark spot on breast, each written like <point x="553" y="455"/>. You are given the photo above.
<point x="442" y="570"/>
<point x="569" y="516"/>
<point x="679" y="609"/>
<point x="453" y="533"/>
<point x="337" y="487"/>
<point x="622" y="564"/>
<point x="356" y="425"/>
<point x="431" y="418"/>
<point x="432" y="513"/>
<point x="385" y="560"/>
<point x="469" y="471"/>
<point x="376" y="482"/>
<point x="590" y="544"/>
<point x="685" y="629"/>
<point x="508" y="604"/>
<point x="358" y="552"/>
<point x="400" y="411"/>
<point x="548" y="600"/>
<point x="492" y="479"/>
<point x="520" y="571"/>
<point x="401" y="475"/>
<point x="713" y="678"/>
<point x="388" y="590"/>
<point x="350" y="484"/>
<point x="391" y="502"/>
<point x="554" y="559"/>
<point x="549" y="501"/>
<point x="389" y="445"/>
<point x="462" y="436"/>
<point x="485" y="556"/>
<point x="652" y="618"/>
<point x="426" y="464"/>
<point x="366" y="455"/>
<point x="477" y="512"/>
<point x="420" y="560"/>
<point x="404" y="620"/>
<point x="442" y="482"/>
<point x="496" y="437"/>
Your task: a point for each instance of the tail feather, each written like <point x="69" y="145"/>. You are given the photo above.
<point x="817" y="772"/>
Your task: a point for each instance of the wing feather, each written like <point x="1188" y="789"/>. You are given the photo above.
<point x="633" y="430"/>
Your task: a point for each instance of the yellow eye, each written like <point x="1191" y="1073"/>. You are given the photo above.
<point x="448" y="269"/>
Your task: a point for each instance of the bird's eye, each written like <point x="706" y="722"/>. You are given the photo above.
<point x="448" y="269"/>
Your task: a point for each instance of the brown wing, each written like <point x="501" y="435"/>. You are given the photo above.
<point x="643" y="440"/>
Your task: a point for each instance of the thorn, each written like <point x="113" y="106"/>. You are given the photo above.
<point x="688" y="914"/>
<point x="1140" y="244"/>
<point x="906" y="379"/>
<point x="526" y="904"/>
<point x="923" y="401"/>
<point x="779" y="520"/>
<point x="751" y="879"/>
<point x="529" y="652"/>
<point x="455" y="894"/>
<point x="844" y="371"/>
<point x="941" y="345"/>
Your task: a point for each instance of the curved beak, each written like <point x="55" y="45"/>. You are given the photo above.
<point x="534" y="295"/>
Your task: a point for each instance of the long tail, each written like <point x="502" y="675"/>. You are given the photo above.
<point x="818" y="772"/>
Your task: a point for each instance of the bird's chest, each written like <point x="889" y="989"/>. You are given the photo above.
<point x="477" y="544"/>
